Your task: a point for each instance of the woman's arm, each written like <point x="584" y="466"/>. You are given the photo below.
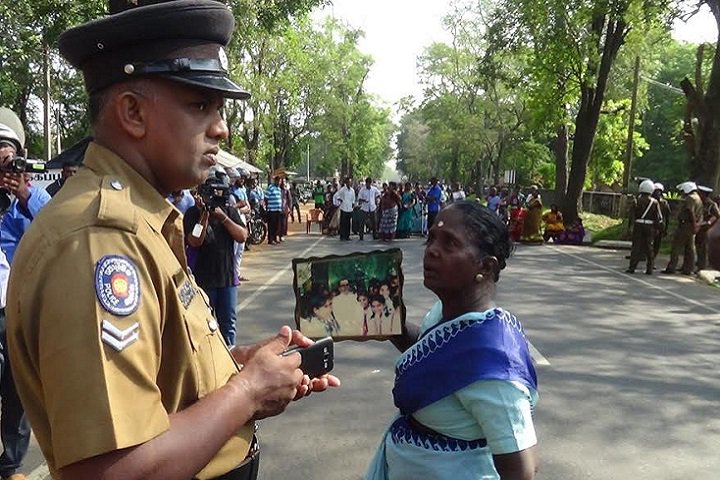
<point x="517" y="465"/>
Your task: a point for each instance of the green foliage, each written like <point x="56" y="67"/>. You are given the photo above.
<point x="666" y="160"/>
<point x="606" y="165"/>
<point x="307" y="85"/>
<point x="28" y="28"/>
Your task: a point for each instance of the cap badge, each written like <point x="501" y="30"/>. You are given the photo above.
<point x="222" y="56"/>
<point x="129" y="69"/>
<point x="117" y="285"/>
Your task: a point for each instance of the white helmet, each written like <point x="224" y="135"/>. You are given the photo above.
<point x="11" y="129"/>
<point x="687" y="187"/>
<point x="659" y="186"/>
<point x="8" y="134"/>
<point x="646" y="186"/>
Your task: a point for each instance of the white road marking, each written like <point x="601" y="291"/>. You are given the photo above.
<point x="638" y="280"/>
<point x="537" y="356"/>
<point x="274" y="279"/>
<point x="40" y="473"/>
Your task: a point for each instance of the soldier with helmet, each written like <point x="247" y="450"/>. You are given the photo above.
<point x="711" y="213"/>
<point x="662" y="229"/>
<point x="131" y="378"/>
<point x="646" y="218"/>
<point x="689" y="220"/>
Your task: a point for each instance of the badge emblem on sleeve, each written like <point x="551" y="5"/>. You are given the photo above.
<point x="117" y="285"/>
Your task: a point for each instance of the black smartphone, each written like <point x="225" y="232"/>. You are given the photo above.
<point x="317" y="359"/>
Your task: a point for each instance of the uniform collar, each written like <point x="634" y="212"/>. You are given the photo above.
<point x="153" y="206"/>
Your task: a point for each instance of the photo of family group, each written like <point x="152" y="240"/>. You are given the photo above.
<point x="350" y="296"/>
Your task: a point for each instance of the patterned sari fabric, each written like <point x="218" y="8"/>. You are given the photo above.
<point x="463" y="355"/>
<point x="388" y="222"/>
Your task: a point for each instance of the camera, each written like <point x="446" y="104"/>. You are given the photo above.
<point x="215" y="194"/>
<point x="23" y="165"/>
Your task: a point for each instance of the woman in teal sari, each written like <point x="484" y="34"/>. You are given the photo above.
<point x="465" y="385"/>
<point x="405" y="220"/>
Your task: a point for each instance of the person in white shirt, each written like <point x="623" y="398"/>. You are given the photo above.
<point x="345" y="200"/>
<point x="368" y="197"/>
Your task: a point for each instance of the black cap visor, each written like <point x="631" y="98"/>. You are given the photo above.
<point x="224" y="85"/>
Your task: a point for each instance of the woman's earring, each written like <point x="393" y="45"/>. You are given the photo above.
<point x="479" y="278"/>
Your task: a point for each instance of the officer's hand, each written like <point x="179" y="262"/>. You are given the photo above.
<point x="271" y="379"/>
<point x="309" y="385"/>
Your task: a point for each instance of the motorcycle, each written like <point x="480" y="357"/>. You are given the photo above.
<point x="258" y="227"/>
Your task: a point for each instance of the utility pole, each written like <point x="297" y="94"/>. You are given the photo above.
<point x="308" y="161"/>
<point x="631" y="127"/>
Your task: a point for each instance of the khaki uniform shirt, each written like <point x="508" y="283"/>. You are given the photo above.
<point x="710" y="210"/>
<point x="692" y="208"/>
<point x="108" y="332"/>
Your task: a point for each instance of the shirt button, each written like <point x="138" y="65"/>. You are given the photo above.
<point x="116" y="184"/>
<point x="213" y="325"/>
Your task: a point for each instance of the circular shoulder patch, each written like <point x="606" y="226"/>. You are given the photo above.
<point x="117" y="285"/>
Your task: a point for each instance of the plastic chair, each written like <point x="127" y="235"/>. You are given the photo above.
<point x="314" y="216"/>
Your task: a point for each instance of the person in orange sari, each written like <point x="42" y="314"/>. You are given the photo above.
<point x="531" y="225"/>
<point x="553" y="224"/>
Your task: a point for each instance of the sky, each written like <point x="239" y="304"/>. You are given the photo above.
<point x="397" y="31"/>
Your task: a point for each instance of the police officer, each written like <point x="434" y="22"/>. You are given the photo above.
<point x="689" y="219"/>
<point x="646" y="218"/>
<point x="662" y="229"/>
<point x="131" y="379"/>
<point x="711" y="213"/>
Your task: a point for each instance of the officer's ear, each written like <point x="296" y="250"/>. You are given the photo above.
<point x="131" y="110"/>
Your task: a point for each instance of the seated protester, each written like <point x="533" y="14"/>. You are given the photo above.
<point x="213" y="226"/>
<point x="553" y="223"/>
<point x="574" y="234"/>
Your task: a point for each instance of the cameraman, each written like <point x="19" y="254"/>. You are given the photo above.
<point x="27" y="202"/>
<point x="213" y="226"/>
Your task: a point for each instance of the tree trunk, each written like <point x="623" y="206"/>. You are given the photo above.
<point x="702" y="123"/>
<point x="560" y="151"/>
<point x="591" y="99"/>
<point x="455" y="163"/>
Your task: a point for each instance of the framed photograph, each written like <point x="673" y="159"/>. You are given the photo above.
<point x="351" y="296"/>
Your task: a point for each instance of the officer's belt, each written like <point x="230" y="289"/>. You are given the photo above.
<point x="248" y="469"/>
<point x="644" y="221"/>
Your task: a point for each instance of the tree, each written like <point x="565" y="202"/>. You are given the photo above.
<point x="701" y="127"/>
<point x="662" y="120"/>
<point x="307" y="85"/>
<point x="580" y="47"/>
<point x="28" y="42"/>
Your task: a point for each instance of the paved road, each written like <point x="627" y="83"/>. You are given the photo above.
<point x="629" y="389"/>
